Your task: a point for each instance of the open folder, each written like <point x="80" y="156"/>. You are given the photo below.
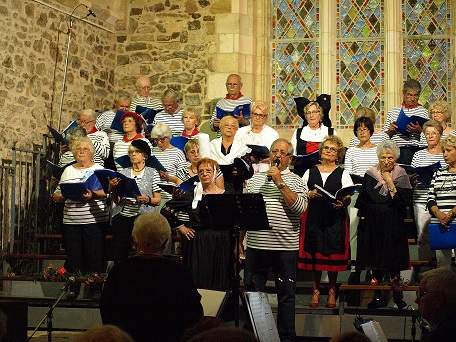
<point x="74" y="189"/>
<point x="403" y="121"/>
<point x="127" y="186"/>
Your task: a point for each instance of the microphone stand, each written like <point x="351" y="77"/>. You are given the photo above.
<point x="49" y="314"/>
<point x="413" y="332"/>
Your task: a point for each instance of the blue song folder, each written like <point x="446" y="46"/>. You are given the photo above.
<point x="403" y="121"/>
<point x="442" y="238"/>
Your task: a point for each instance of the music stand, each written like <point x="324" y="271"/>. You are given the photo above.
<point x="246" y="212"/>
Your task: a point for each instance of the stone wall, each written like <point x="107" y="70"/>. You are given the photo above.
<point x="34" y="41"/>
<point x="173" y="42"/>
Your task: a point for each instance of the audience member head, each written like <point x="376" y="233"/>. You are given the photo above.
<point x="411" y="92"/>
<point x="436" y="297"/>
<point x="122" y="101"/>
<point x="170" y="100"/>
<point x="75" y="132"/>
<point x="365" y="111"/>
<point x="363" y="122"/>
<point x="191" y="117"/>
<point x="143" y="86"/>
<point x="350" y="336"/>
<point x="104" y="333"/>
<point x="151" y="233"/>
<point x="440" y="111"/>
<point x="336" y="141"/>
<point x="87" y="119"/>
<point x="388" y="146"/>
<point x="131" y="118"/>
<point x="233" y="86"/>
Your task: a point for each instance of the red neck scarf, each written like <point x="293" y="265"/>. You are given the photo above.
<point x="236" y="98"/>
<point x="137" y="136"/>
<point x="94" y="129"/>
<point x="194" y="132"/>
<point x="410" y="107"/>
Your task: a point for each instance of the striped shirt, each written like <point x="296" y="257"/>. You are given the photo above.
<point x="442" y="191"/>
<point x="283" y="220"/>
<point x="101" y="143"/>
<point x="376" y="139"/>
<point x="104" y="121"/>
<point x="359" y="160"/>
<point x="227" y="105"/>
<point x="173" y="121"/>
<point x="121" y="149"/>
<point x="77" y="212"/>
<point x="420" y="159"/>
<point x="403" y="140"/>
<point x="149" y="102"/>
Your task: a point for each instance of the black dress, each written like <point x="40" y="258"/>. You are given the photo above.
<point x="151" y="298"/>
<point x="382" y="235"/>
<point x="324" y="243"/>
<point x="208" y="255"/>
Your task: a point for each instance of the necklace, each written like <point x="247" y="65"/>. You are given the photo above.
<point x="140" y="169"/>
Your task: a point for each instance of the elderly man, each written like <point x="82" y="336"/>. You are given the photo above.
<point x="87" y="120"/>
<point x="285" y="196"/>
<point x="172" y="115"/>
<point x="142" y="97"/>
<point x="409" y="107"/>
<point x="232" y="99"/>
<point x="436" y="301"/>
<point x="151" y="297"/>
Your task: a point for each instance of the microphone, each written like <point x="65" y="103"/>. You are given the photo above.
<point x="91" y="13"/>
<point x="275" y="163"/>
<point x="69" y="281"/>
<point x="416" y="315"/>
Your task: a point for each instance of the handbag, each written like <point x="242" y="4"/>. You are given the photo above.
<point x="442" y="238"/>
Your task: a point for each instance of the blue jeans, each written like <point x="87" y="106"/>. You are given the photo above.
<point x="258" y="262"/>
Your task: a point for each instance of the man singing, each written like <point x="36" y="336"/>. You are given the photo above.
<point x="285" y="196"/>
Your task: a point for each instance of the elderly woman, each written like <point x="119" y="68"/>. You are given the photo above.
<point x="169" y="156"/>
<point x="128" y="209"/>
<point x="151" y="297"/>
<point x="191" y="118"/>
<point x="206" y="252"/>
<point x="441" y="111"/>
<point x="442" y="194"/>
<point x="132" y="126"/>
<point x="376" y="136"/>
<point x="358" y="160"/>
<point x="84" y="220"/>
<point x="432" y="154"/>
<point x="258" y="133"/>
<point x="324" y="234"/>
<point x="87" y="119"/>
<point x="305" y="140"/>
<point x="232" y="155"/>
<point x="382" y="202"/>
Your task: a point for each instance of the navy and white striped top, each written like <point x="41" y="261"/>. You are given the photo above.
<point x="359" y="160"/>
<point x="442" y="191"/>
<point x="284" y="220"/>
<point x="101" y="143"/>
<point x="149" y="102"/>
<point x="228" y="105"/>
<point x="121" y="149"/>
<point x="104" y="121"/>
<point x="375" y="138"/>
<point x="173" y="121"/>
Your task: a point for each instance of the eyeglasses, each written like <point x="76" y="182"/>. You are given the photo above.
<point x="431" y="134"/>
<point x="331" y="149"/>
<point x="144" y="88"/>
<point x="156" y="140"/>
<point x="362" y="129"/>
<point x="232" y="84"/>
<point x="83" y="123"/>
<point x="436" y="113"/>
<point x="83" y="149"/>
<point x="420" y="293"/>
<point x="205" y="172"/>
<point x="313" y="112"/>
<point x="132" y="152"/>
<point x="258" y="115"/>
<point x="280" y="153"/>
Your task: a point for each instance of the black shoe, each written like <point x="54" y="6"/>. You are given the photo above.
<point x="376" y="303"/>
<point x="72" y="295"/>
<point x="397" y="298"/>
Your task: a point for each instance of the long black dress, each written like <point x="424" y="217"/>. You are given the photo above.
<point x="382" y="235"/>
<point x="208" y="255"/>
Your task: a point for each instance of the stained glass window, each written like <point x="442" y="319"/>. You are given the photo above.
<point x="360" y="59"/>
<point x="295" y="51"/>
<point x="427" y="32"/>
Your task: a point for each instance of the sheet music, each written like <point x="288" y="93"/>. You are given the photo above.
<point x="374" y="331"/>
<point x="261" y="316"/>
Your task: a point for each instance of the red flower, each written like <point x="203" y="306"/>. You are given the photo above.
<point x="374" y="281"/>
<point x="61" y="270"/>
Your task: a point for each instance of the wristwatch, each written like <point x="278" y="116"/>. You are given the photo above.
<point x="281" y="185"/>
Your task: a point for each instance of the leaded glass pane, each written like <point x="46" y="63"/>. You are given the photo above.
<point x="426" y="60"/>
<point x="427" y="17"/>
<point x="294" y="75"/>
<point x="294" y="19"/>
<point x="360" y="78"/>
<point x="358" y="19"/>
